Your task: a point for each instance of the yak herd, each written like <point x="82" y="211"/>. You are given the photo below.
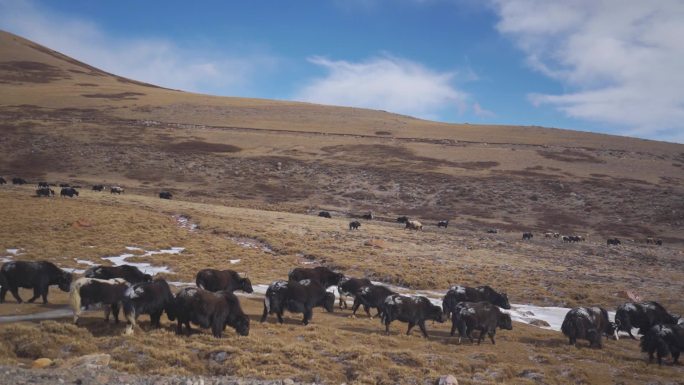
<point x="44" y="189"/>
<point x="211" y="304"/>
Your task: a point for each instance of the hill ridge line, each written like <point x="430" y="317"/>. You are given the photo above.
<point x="442" y="141"/>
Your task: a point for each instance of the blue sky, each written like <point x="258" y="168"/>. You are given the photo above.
<point x="611" y="66"/>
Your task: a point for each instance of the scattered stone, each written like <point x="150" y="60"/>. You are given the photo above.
<point x="90" y="361"/>
<point x="447" y="380"/>
<point x="288" y="381"/>
<point x="532" y="375"/>
<point x="629" y="294"/>
<point x="219" y="356"/>
<point x="42" y="363"/>
<point x="376" y="243"/>
<point x="539" y="323"/>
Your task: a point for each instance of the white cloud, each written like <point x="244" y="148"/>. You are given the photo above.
<point x="385" y="83"/>
<point x="620" y="60"/>
<point x="153" y="60"/>
<point x="482" y="112"/>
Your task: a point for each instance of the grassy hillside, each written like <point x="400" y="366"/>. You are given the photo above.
<point x="334" y="348"/>
<point x="64" y="120"/>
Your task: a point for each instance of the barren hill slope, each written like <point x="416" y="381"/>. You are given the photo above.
<point x="63" y="120"/>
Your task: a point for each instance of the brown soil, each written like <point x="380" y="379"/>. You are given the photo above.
<point x="117" y="96"/>
<point x="13" y="72"/>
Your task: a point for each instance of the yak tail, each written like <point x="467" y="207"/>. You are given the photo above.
<point x="170" y="307"/>
<point x="130" y="314"/>
<point x="382" y="309"/>
<point x="568" y="326"/>
<point x="75" y="298"/>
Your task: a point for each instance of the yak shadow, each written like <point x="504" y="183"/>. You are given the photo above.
<point x="551" y="342"/>
<point x="98" y="327"/>
<point x="273" y="319"/>
<point x="342" y="314"/>
<point x="397" y="332"/>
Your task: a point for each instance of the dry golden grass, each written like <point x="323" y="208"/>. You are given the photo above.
<point x="334" y="348"/>
<point x="544" y="271"/>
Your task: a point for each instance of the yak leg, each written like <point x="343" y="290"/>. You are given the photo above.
<point x="15" y="294"/>
<point x="308" y="313"/>
<point x="155" y="319"/>
<point x="107" y="312"/>
<point x="421" y="324"/>
<point x="77" y="313"/>
<point x="343" y="302"/>
<point x="179" y="326"/>
<point x="36" y="293"/>
<point x="115" y="311"/>
<point x="44" y="294"/>
<point x="453" y="326"/>
<point x="481" y="336"/>
<point x="462" y="331"/>
<point x="387" y="324"/>
<point x="491" y="336"/>
<point x="217" y="327"/>
<point x="265" y="314"/>
<point x="131" y="317"/>
<point x="355" y="306"/>
<point x="410" y="326"/>
<point x="470" y="335"/>
<point x="280" y="316"/>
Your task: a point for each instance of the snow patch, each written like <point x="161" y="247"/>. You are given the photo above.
<point x="145" y="267"/>
<point x="524" y="313"/>
<point x="183" y="221"/>
<point x="84" y="262"/>
<point x="12" y="253"/>
<point x="180" y="283"/>
<point x="554" y="316"/>
<point x="50" y="314"/>
<point x="260" y="289"/>
<point x="251" y="243"/>
<point x="234" y="261"/>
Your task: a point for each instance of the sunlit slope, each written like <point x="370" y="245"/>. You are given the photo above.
<point x="35" y="75"/>
<point x="65" y="120"/>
